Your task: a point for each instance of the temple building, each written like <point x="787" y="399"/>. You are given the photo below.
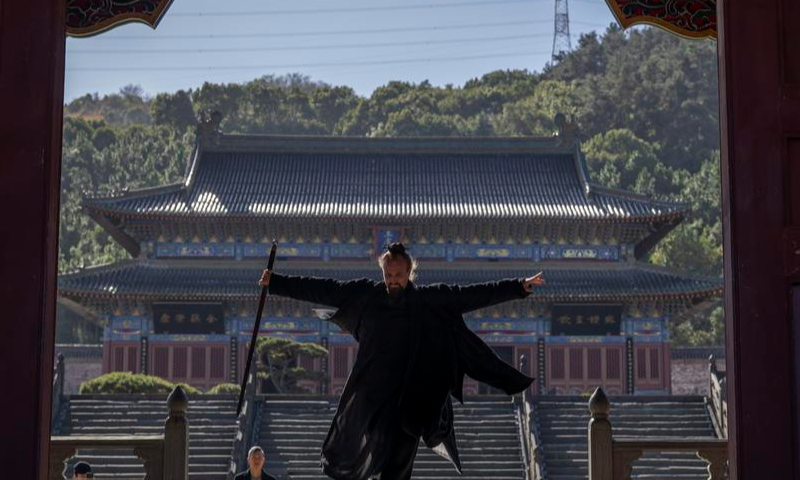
<point x="469" y="209"/>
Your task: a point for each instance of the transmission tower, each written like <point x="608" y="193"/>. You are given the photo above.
<point x="561" y="38"/>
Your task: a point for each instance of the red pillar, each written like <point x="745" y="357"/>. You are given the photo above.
<point x="760" y="119"/>
<point x="31" y="94"/>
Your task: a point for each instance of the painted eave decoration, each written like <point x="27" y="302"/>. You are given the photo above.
<point x="687" y="18"/>
<point x="91" y="17"/>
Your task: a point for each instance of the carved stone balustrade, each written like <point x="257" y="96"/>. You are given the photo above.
<point x="150" y="448"/>
<point x="612" y="458"/>
<point x="165" y="457"/>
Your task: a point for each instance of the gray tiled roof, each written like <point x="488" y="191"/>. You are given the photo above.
<point x="499" y="179"/>
<point x="574" y="282"/>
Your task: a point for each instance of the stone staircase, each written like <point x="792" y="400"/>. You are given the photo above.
<point x="292" y="430"/>
<point x="212" y="426"/>
<point x="563" y="423"/>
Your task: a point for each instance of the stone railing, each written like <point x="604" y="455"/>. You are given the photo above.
<point x="531" y="452"/>
<point x="695" y="353"/>
<point x="717" y="398"/>
<point x="612" y="458"/>
<point x="165" y="457"/>
<point x="58" y="393"/>
<point x="245" y="427"/>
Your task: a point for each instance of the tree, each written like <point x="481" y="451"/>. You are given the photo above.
<point x="620" y="159"/>
<point x="280" y="355"/>
<point x="701" y="330"/>
<point x="174" y="110"/>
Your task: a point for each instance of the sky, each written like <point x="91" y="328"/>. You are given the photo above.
<point x="359" y="43"/>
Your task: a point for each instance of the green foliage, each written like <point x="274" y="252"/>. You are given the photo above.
<point x="99" y="158"/>
<point x="128" y="107"/>
<point x="126" y="382"/>
<point x="619" y="159"/>
<point x="224" y="389"/>
<point x="701" y="330"/>
<point x="693" y="248"/>
<point x="174" y="110"/>
<point x="280" y="355"/>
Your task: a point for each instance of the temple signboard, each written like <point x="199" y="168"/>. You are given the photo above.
<point x="188" y="318"/>
<point x="572" y="320"/>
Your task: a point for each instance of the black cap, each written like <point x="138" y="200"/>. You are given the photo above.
<point x="82" y="467"/>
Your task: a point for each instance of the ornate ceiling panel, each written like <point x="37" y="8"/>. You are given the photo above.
<point x="90" y="17"/>
<point x="688" y="18"/>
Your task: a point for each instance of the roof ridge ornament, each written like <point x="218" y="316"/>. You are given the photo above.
<point x="207" y="128"/>
<point x="567" y="130"/>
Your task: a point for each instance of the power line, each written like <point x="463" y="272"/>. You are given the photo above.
<point x="321" y="33"/>
<point x="307" y="65"/>
<point x="348" y="10"/>
<point x="311" y="47"/>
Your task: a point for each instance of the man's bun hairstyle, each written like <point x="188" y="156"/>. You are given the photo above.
<point x="397" y="251"/>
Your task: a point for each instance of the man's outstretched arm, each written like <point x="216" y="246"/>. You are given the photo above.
<point x="482" y="295"/>
<point x="324" y="291"/>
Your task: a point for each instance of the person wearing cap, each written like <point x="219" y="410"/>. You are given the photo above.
<point x="255" y="463"/>
<point x="82" y="470"/>
<point x="414" y="349"/>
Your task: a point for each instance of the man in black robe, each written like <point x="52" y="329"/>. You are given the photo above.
<point x="414" y="349"/>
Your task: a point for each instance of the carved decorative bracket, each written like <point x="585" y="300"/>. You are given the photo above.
<point x="91" y="17"/>
<point x="152" y="457"/>
<point x="623" y="463"/>
<point x="687" y="18"/>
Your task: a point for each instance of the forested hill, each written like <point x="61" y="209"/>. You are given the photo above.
<point x="646" y="103"/>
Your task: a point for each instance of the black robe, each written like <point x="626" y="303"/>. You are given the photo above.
<point x="413" y="354"/>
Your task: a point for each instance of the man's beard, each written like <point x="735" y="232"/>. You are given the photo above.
<point x="394" y="290"/>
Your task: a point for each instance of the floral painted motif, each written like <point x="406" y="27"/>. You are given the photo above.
<point x="688" y="18"/>
<point x="90" y="17"/>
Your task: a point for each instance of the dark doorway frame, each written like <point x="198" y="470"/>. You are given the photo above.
<point x="760" y="123"/>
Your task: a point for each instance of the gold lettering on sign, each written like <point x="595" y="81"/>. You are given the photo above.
<point x="495" y="326"/>
<point x="493" y="252"/>
<point x="194" y="318"/>
<point x="164" y="318"/>
<point x="280" y="325"/>
<point x="180" y="318"/>
<point x="579" y="253"/>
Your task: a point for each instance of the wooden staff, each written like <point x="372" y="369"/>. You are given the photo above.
<point x="255" y="330"/>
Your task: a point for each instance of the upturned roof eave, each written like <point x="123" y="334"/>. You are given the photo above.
<point x="708" y="288"/>
<point x="216" y="217"/>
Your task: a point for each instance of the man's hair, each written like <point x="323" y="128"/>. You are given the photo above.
<point x="82" y="468"/>
<point x="397" y="251"/>
<point x="253" y="449"/>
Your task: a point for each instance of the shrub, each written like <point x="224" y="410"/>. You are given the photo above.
<point x="126" y="382"/>
<point x="224" y="389"/>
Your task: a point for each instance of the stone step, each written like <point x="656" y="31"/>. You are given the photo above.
<point x="487" y="433"/>
<point x="425" y="476"/>
<point x="563" y="435"/>
<point x="625" y="431"/>
<point x="212" y="426"/>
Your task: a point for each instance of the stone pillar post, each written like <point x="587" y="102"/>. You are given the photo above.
<point x="176" y="437"/>
<point x="601" y="466"/>
<point x="630" y="387"/>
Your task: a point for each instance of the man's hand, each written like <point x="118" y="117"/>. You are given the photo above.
<point x="534" y="281"/>
<point x="264" y="282"/>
